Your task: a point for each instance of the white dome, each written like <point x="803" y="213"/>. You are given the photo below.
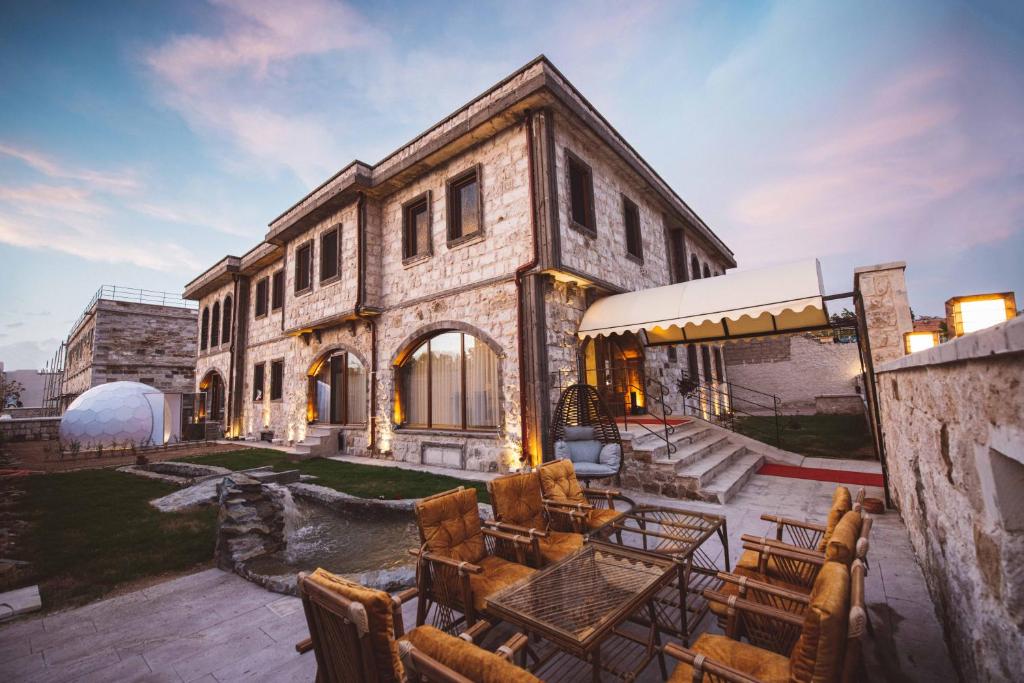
<point x="118" y="413"/>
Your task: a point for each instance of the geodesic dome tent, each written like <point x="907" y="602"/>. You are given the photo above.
<point x="116" y="414"/>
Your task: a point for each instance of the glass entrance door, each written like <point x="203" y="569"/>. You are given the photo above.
<point x="616" y="367"/>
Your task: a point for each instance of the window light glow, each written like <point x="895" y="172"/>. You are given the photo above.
<point x="967" y="314"/>
<point x="920" y="341"/>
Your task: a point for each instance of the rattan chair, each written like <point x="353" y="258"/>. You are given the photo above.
<point x="519" y="508"/>
<point x="811" y="535"/>
<point x="826" y="646"/>
<point x="357" y="636"/>
<point x="461" y="561"/>
<point x="562" y="491"/>
<point x="583" y="430"/>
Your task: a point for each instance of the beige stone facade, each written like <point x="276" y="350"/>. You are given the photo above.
<point x="519" y="286"/>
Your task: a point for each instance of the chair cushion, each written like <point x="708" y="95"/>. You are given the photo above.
<point x="562" y="451"/>
<point x="819" y="650"/>
<point x="598" y="517"/>
<point x="475" y="663"/>
<point x="559" y="544"/>
<point x="591" y="469"/>
<point x="558" y="482"/>
<point x="611" y="455"/>
<point x="842" y="502"/>
<point x="763" y="665"/>
<point x="584" y="451"/>
<point x="380" y="620"/>
<point x="497" y="574"/>
<point x="842" y="546"/>
<point x="450" y="525"/>
<point x="516" y="499"/>
<point x="579" y="433"/>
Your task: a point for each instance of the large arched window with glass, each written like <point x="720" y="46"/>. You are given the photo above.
<point x="449" y="381"/>
<point x="338" y="389"/>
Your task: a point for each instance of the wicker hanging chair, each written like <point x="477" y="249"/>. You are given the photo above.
<point x="581" y="406"/>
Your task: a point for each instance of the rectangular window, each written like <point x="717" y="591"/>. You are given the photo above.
<point x="329" y="254"/>
<point x="276" y="379"/>
<point x="277" y="298"/>
<point x="581" y="194"/>
<point x="634" y="239"/>
<point x="261" y="297"/>
<point x="678" y="246"/>
<point x="464" y="213"/>
<point x="416" y="228"/>
<point x="258" y="382"/>
<point x="304" y="268"/>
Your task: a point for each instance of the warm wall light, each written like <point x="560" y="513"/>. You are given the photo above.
<point x="919" y="341"/>
<point x="965" y="314"/>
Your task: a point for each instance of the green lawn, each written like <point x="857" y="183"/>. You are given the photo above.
<point x="367" y="481"/>
<point x="94" y="530"/>
<point x="823" y="436"/>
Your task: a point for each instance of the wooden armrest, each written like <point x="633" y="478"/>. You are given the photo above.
<point x="802" y="556"/>
<point x="757" y="608"/>
<point x="304" y="645"/>
<point x="433" y="670"/>
<point x="781" y="545"/>
<point x="703" y="664"/>
<point x="608" y="493"/>
<point x="477" y="631"/>
<point x="516" y="529"/>
<point x="468" y="567"/>
<point x="518" y="539"/>
<point x="405" y="596"/>
<point x="510" y="647"/>
<point x="568" y="504"/>
<point x="812" y="526"/>
<point x="754" y="584"/>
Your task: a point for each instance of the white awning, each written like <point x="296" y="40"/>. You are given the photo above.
<point x="748" y="303"/>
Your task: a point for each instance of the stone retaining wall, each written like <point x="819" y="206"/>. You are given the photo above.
<point x="30" y="429"/>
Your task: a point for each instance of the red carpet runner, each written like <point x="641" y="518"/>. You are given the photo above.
<point x="820" y="474"/>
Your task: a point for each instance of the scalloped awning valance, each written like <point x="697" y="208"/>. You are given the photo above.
<point x="751" y="303"/>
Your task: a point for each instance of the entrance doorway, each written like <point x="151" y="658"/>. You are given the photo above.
<point x="615" y="365"/>
<point x="213" y="385"/>
<point x="337" y="390"/>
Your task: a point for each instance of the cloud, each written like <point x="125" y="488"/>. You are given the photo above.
<point x="111" y="182"/>
<point x="32" y="354"/>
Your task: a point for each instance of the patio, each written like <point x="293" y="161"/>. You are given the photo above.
<point x="215" y="626"/>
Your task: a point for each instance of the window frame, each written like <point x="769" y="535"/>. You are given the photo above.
<point x="694" y="267"/>
<point x="276" y="363"/>
<point x="590" y="228"/>
<point x="204" y="329"/>
<point x="473" y="173"/>
<point x="227" y="321"/>
<point x="631" y="207"/>
<point x="276" y="287"/>
<point x="706" y="270"/>
<point x="298" y="263"/>
<point x="265" y="282"/>
<point x="215" y="325"/>
<point x="336" y="229"/>
<point x="426" y="199"/>
<point x="262" y="366"/>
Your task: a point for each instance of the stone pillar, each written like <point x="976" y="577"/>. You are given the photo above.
<point x="884" y="310"/>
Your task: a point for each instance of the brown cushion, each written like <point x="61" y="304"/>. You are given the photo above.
<point x="450" y="525"/>
<point x="517" y="500"/>
<point x="558" y="481"/>
<point x="842" y="503"/>
<point x="559" y="544"/>
<point x="380" y="618"/>
<point x="598" y="517"/>
<point x="842" y="546"/>
<point x="728" y="588"/>
<point x="497" y="574"/>
<point x="471" y="661"/>
<point x="763" y="665"/>
<point x="819" y="650"/>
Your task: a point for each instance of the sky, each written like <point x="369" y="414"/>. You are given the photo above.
<point x="141" y="142"/>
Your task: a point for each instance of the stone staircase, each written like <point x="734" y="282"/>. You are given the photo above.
<point x="320" y="441"/>
<point x="710" y="463"/>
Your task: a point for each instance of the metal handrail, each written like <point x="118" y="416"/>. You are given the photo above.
<point x="133" y="295"/>
<point x="704" y="389"/>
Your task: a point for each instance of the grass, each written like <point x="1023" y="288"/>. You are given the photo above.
<point x="367" y="481"/>
<point x="820" y="436"/>
<point x="94" y="530"/>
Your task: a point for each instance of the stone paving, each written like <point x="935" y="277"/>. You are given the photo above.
<point x="212" y="626"/>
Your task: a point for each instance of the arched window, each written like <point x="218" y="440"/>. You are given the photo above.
<point x="449" y="381"/>
<point x="204" y="329"/>
<point x="215" y="326"/>
<point x="694" y="268"/>
<point x="338" y="389"/>
<point x="705" y="358"/>
<point x="707" y="271"/>
<point x="225" y="335"/>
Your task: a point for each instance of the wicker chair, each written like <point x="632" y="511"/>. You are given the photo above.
<point x="357" y="636"/>
<point x="583" y="430"/>
<point x="810" y="535"/>
<point x="826" y="646"/>
<point x="461" y="561"/>
<point x="562" y="491"/>
<point x="519" y="508"/>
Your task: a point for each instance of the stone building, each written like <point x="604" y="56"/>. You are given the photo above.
<point x="133" y="335"/>
<point x="425" y="308"/>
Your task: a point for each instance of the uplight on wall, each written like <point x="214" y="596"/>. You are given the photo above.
<point x="966" y="314"/>
<point x="919" y="341"/>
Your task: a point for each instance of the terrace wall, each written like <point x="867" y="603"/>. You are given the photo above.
<point x="953" y="427"/>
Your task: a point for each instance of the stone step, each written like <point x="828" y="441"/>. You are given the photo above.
<point x="657" y="449"/>
<point x="688" y="453"/>
<point x="315" y="430"/>
<point x="699" y="474"/>
<point x="730" y="480"/>
<point x="642" y="437"/>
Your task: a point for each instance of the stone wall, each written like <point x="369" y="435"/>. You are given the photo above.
<point x="30" y="429"/>
<point x="953" y="427"/>
<point x="797" y="368"/>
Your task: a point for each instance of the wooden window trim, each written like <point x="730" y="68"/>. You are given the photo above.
<point x="588" y="230"/>
<point x="337" y="263"/>
<point x="263" y="387"/>
<point x="475" y="173"/>
<point x="271" y="289"/>
<point x="256" y="299"/>
<point x="627" y="205"/>
<point x="407" y="258"/>
<point x="312" y="259"/>
<point x="270" y="392"/>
